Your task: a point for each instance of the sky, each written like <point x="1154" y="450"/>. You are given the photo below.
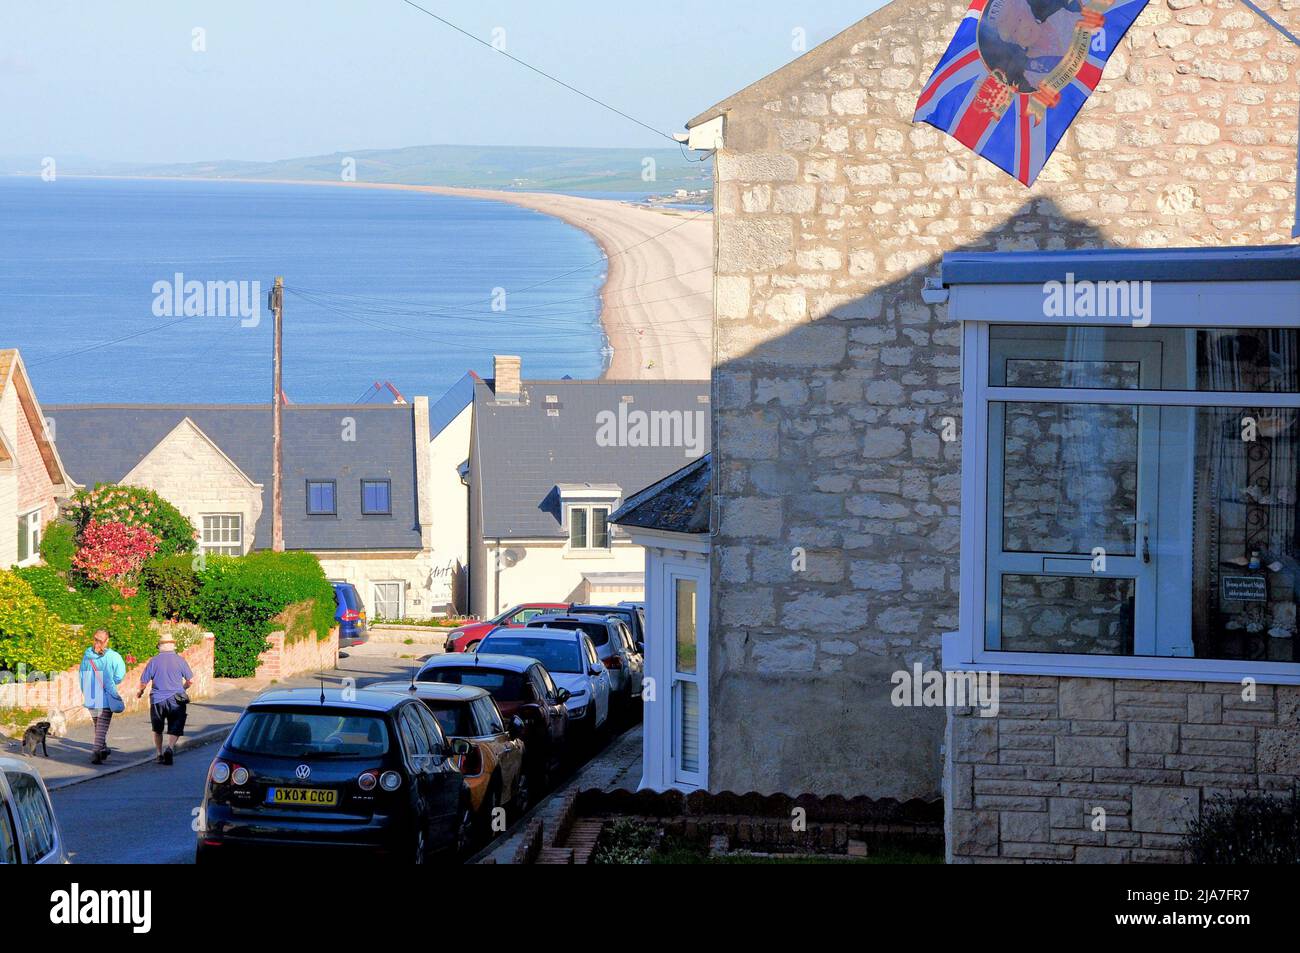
<point x="121" y="80"/>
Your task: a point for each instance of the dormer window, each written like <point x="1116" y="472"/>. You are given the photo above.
<point x="585" y="508"/>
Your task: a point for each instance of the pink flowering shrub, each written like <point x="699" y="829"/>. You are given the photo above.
<point x="135" y="507"/>
<point x="113" y="553"/>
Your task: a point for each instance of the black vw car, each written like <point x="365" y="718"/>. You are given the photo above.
<point x="369" y="771"/>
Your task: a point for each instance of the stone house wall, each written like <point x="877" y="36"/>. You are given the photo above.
<point x="188" y="471"/>
<point x="1029" y="783"/>
<point x="833" y="380"/>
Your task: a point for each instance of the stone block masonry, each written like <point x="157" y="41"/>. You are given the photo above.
<point x="834" y="381"/>
<point x="1091" y="770"/>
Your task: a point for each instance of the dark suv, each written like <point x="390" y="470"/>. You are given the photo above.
<point x="369" y="771"/>
<point x="632" y="616"/>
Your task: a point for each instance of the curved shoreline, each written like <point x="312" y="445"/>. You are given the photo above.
<point x="656" y="301"/>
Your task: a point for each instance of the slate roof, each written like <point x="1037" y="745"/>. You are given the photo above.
<point x="101" y="443"/>
<point x="523" y="451"/>
<point x="448" y="407"/>
<point x="679" y="503"/>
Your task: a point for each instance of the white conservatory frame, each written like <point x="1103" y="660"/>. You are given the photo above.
<point x="1206" y="304"/>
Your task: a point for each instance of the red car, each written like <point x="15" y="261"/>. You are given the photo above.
<point x="467" y="637"/>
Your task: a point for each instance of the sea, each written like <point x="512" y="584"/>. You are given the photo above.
<point x="156" y="291"/>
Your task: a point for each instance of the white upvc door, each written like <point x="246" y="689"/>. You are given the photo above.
<point x="1114" y="538"/>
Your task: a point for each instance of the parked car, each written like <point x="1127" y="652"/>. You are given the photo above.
<point x="615" y="646"/>
<point x="572" y="661"/>
<point x="494" y="769"/>
<point x="467" y="637"/>
<point x="369" y="771"/>
<point x="631" y="613"/>
<point x="350" y="614"/>
<point x="29" y="831"/>
<point x="521" y="687"/>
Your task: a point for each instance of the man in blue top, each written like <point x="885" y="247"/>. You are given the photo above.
<point x="170" y="677"/>
<point x="101" y="670"/>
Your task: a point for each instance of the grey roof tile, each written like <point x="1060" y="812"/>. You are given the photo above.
<point x="101" y="443"/>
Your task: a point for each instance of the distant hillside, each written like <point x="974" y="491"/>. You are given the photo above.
<point x="500" y="167"/>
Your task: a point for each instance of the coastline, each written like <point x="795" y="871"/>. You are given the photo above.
<point x="657" y="299"/>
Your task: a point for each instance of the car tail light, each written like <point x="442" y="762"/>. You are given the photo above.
<point x="368" y="780"/>
<point x="351" y="615"/>
<point x="390" y="780"/>
<point x="219" y="773"/>
<point x="239" y="775"/>
<point x="614" y="661"/>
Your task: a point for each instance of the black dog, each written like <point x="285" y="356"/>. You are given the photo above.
<point x="35" y="736"/>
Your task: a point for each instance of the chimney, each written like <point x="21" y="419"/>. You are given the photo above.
<point x="508" y="388"/>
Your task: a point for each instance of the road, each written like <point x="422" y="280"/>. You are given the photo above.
<point x="145" y="815"/>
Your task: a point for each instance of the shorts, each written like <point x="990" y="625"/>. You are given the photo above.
<point x="169" y="714"/>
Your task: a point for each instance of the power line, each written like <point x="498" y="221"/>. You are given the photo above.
<point x="93" y="347"/>
<point x="541" y="72"/>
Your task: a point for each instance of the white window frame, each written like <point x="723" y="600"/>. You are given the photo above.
<point x="34" y="533"/>
<point x="215" y="549"/>
<point x="1258" y="304"/>
<point x="590" y="547"/>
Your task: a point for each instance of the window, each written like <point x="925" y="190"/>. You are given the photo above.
<point x="320" y="498"/>
<point x="588" y="527"/>
<point x="32" y="811"/>
<point x="29" y="538"/>
<point x="8" y="837"/>
<point x="390" y="600"/>
<point x="376" y="498"/>
<point x="223" y="535"/>
<point x="1136" y="496"/>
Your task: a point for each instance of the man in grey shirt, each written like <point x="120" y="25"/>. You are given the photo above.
<point x="170" y="676"/>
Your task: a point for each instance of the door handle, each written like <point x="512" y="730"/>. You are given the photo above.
<point x="1142" y="524"/>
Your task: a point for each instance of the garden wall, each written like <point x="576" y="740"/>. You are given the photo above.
<point x="305" y="655"/>
<point x="61" y="695"/>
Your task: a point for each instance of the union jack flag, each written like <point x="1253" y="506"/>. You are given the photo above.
<point x="1017" y="73"/>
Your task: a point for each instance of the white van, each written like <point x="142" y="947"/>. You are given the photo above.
<point x="29" y="831"/>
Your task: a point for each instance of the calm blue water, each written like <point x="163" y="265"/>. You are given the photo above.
<point x="383" y="286"/>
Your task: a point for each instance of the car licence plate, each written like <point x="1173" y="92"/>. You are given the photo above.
<point x="302" y="797"/>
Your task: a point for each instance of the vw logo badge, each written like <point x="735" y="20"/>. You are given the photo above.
<point x="303" y="772"/>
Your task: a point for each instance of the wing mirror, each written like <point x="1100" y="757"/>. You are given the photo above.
<point x="460" y="747"/>
<point x="563" y="695"/>
<point x="517" y="727"/>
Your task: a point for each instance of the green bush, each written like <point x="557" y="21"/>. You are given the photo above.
<point x="1256" y="829"/>
<point x="134" y="506"/>
<point x="171" y="585"/>
<point x="96" y="607"/>
<point x="30" y="634"/>
<point x="59" y="545"/>
<point x="240" y="598"/>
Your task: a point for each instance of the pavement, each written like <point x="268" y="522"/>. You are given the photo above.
<point x="131" y="737"/>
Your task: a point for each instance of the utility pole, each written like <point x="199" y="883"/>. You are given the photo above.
<point x="277" y="422"/>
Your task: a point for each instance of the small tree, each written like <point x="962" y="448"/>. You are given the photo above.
<point x="137" y="508"/>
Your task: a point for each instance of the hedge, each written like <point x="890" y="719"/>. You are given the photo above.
<point x="127" y="620"/>
<point x="239" y="599"/>
<point x="59" y="545"/>
<point x="172" y="587"/>
<point x="30" y="634"/>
